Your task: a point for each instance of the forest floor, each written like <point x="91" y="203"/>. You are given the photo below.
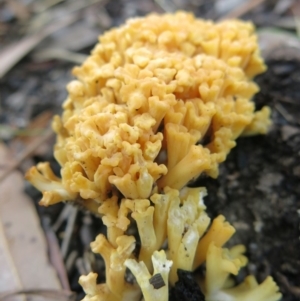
<point x="258" y="189"/>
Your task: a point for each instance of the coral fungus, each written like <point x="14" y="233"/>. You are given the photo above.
<point x="160" y="101"/>
<point x="191" y="240"/>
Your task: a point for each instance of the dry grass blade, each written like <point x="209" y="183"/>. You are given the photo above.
<point x="13" y="53"/>
<point x="60" y="54"/>
<point x="69" y="231"/>
<point x="242" y="9"/>
<point x="288" y="117"/>
<point x="61" y="218"/>
<point x="45" y="5"/>
<point x="55" y="254"/>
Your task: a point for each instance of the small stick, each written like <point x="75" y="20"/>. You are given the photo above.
<point x="292" y="289"/>
<point x="87" y="261"/>
<point x="80" y="266"/>
<point x="69" y="230"/>
<point x="71" y="260"/>
<point x="285" y="113"/>
<point x="62" y="217"/>
<point x="55" y="254"/>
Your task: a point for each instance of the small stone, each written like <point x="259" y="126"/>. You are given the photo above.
<point x="296" y="171"/>
<point x="258" y="225"/>
<point x="288" y="131"/>
<point x="268" y="181"/>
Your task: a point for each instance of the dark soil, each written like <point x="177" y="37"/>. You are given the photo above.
<point x="258" y="187"/>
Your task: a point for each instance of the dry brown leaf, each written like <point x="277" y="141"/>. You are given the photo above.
<point x="23" y="250"/>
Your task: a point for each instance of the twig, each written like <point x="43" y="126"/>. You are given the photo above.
<point x="285" y="114"/>
<point x="80" y="266"/>
<point x="71" y="260"/>
<point x="27" y="152"/>
<point x="292" y="289"/>
<point x="242" y="9"/>
<point x="59" y="54"/>
<point x="45" y="5"/>
<point x="87" y="258"/>
<point x="62" y="217"/>
<point x="55" y="255"/>
<point x="69" y="230"/>
<point x="284" y="98"/>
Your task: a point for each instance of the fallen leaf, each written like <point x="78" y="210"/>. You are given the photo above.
<point x="24" y="264"/>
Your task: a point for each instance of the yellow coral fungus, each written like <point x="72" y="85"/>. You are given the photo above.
<point x="176" y="221"/>
<point x="159" y="101"/>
